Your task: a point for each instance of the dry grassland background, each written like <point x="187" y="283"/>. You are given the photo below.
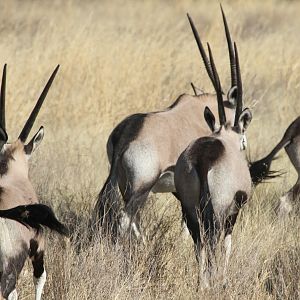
<point x="121" y="57"/>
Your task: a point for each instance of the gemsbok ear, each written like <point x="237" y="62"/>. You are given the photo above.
<point x="35" y="141"/>
<point x="3" y="137"/>
<point x="244" y="120"/>
<point x="232" y="96"/>
<point x="209" y="118"/>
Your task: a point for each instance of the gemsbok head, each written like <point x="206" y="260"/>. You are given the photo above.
<point x="212" y="177"/>
<point x="143" y="149"/>
<point x="21" y="217"/>
<point x="291" y="142"/>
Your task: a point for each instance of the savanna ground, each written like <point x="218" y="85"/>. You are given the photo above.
<point x="121" y="57"/>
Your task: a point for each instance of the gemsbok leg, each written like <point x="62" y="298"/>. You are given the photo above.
<point x="37" y="259"/>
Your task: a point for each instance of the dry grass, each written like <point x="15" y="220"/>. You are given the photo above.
<point x="127" y="56"/>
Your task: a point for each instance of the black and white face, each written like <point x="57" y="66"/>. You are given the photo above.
<point x="17" y="153"/>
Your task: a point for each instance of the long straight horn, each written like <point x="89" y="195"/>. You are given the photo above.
<point x="28" y="125"/>
<point x="2" y="98"/>
<point x="221" y="110"/>
<point x="230" y="50"/>
<point x="202" y="51"/>
<point x="239" y="105"/>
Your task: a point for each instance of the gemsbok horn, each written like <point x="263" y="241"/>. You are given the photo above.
<point x="212" y="177"/>
<point x="18" y="202"/>
<point x="143" y="149"/>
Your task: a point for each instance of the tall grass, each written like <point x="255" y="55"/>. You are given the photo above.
<point x="123" y="57"/>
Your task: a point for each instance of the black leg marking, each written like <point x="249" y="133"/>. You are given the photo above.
<point x="240" y="199"/>
<point x="37" y="258"/>
<point x="134" y="205"/>
<point x="10" y="274"/>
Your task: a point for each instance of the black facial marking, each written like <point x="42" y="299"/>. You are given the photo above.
<point x="3" y="164"/>
<point x="5" y="157"/>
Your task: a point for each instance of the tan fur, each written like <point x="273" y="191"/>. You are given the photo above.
<point x="184" y="123"/>
<point x="146" y="163"/>
<point x="235" y="171"/>
<point x="212" y="182"/>
<point x="166" y="134"/>
<point x="16" y="190"/>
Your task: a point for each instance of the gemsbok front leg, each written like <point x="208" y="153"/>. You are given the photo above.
<point x="37" y="258"/>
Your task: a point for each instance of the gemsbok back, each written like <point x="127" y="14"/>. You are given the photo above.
<point x="212" y="177"/>
<point x="143" y="149"/>
<point x="291" y="142"/>
<point x="21" y="217"/>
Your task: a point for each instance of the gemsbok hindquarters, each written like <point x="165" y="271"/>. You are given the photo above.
<point x="143" y="149"/>
<point x="21" y="217"/>
<point x="212" y="177"/>
<point x="291" y="142"/>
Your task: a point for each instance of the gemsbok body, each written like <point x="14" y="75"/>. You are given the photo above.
<point x="291" y="142"/>
<point x="143" y="149"/>
<point x="21" y="216"/>
<point x="212" y="177"/>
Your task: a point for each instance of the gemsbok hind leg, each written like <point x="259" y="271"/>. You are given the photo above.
<point x="288" y="202"/>
<point x="130" y="219"/>
<point x="37" y="259"/>
<point x="9" y="270"/>
<point x="239" y="200"/>
<point x="137" y="174"/>
<point x="192" y="223"/>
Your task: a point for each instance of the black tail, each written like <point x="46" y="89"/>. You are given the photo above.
<point x="260" y="170"/>
<point x="108" y="205"/>
<point x="35" y="216"/>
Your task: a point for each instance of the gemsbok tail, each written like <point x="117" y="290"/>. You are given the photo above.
<point x="35" y="216"/>
<point x="260" y="169"/>
<point x="107" y="207"/>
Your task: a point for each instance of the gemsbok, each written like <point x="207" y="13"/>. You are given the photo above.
<point x="212" y="177"/>
<point x="143" y="149"/>
<point x="291" y="142"/>
<point x="19" y="202"/>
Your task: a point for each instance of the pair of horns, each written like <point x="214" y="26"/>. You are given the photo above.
<point x="29" y="123"/>
<point x="213" y="74"/>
